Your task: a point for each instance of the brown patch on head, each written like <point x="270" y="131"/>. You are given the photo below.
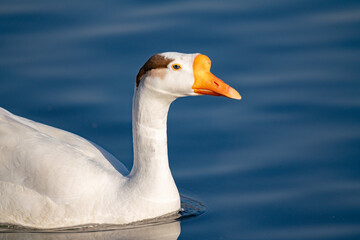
<point x="156" y="61"/>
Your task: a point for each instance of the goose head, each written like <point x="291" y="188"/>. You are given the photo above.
<point x="177" y="75"/>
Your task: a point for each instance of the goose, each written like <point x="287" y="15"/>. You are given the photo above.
<point x="51" y="178"/>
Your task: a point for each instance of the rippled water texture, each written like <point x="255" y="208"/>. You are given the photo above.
<point x="283" y="163"/>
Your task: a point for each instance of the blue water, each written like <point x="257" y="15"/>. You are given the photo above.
<point x="283" y="163"/>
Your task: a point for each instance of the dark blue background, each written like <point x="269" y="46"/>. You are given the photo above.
<point x="283" y="163"/>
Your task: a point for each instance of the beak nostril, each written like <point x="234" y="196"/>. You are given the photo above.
<point x="216" y="83"/>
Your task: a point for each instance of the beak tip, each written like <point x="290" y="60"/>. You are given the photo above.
<point x="234" y="94"/>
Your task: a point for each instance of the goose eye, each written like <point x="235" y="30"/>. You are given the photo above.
<point x="176" y="66"/>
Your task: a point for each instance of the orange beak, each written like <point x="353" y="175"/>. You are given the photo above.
<point x="206" y="83"/>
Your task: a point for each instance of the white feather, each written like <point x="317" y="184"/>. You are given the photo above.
<point x="53" y="178"/>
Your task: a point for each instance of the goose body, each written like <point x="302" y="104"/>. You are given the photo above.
<point x="52" y="178"/>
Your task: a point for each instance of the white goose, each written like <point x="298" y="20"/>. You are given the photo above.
<point x="51" y="178"/>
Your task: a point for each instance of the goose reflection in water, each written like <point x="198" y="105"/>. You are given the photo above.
<point x="161" y="231"/>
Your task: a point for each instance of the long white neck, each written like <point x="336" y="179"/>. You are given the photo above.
<point x="151" y="173"/>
